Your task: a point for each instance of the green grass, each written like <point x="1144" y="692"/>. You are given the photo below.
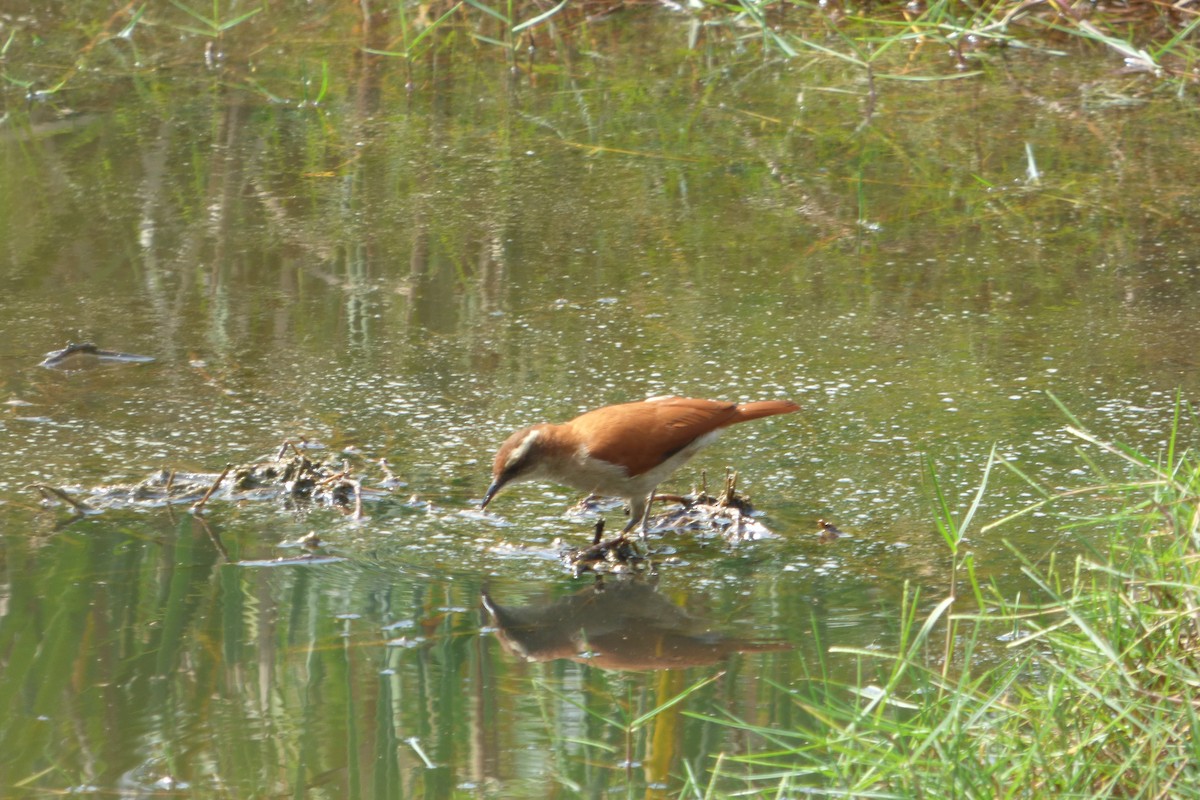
<point x="1090" y="689"/>
<point x="1154" y="43"/>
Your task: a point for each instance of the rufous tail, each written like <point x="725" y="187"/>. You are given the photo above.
<point x="762" y="408"/>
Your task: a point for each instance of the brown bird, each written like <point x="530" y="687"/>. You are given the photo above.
<point x="624" y="450"/>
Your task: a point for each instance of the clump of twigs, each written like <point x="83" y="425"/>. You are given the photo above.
<point x="291" y="476"/>
<point x="728" y="514"/>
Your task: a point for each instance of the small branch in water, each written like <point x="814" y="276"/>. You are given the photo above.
<point x="46" y="491"/>
<point x="86" y="350"/>
<point x="416" y="746"/>
<point x="728" y="494"/>
<point x="337" y="477"/>
<point x="283" y="448"/>
<point x="389" y="478"/>
<point x="199" y="505"/>
<point x="358" y="512"/>
<point x="214" y="538"/>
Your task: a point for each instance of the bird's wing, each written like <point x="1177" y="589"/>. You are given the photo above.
<point x="642" y="435"/>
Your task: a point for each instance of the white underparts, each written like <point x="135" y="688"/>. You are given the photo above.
<point x="589" y="474"/>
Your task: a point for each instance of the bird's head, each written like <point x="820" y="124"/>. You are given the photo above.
<point x="518" y="459"/>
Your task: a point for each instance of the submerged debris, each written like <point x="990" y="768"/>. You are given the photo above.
<point x="826" y="532"/>
<point x="592" y="506"/>
<point x="310" y="541"/>
<point x="78" y="355"/>
<point x="306" y="560"/>
<point x="729" y="514"/>
<point x="51" y="493"/>
<point x="390" y="481"/>
<point x="290" y="476"/>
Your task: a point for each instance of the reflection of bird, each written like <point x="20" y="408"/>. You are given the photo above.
<point x="625" y="625"/>
<point x="624" y="450"/>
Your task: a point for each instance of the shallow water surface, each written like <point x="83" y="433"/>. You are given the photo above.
<point x="410" y="275"/>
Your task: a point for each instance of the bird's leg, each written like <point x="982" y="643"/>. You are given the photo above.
<point x="635" y="514"/>
<point x="645" y="521"/>
<point x="639" y="510"/>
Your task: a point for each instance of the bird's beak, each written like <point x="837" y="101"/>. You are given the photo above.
<point x="491" y="492"/>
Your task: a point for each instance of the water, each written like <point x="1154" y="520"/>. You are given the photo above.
<point x="413" y="275"/>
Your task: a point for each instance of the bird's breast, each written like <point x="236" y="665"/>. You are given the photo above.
<point x="588" y="473"/>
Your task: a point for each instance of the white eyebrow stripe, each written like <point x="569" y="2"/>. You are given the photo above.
<point x="521" y="450"/>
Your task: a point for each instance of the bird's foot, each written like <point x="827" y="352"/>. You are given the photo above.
<point x="618" y="554"/>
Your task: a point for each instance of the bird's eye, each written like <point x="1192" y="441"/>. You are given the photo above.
<point x="509" y="471"/>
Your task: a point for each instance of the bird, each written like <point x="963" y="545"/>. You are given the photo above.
<point x="623" y="450"/>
